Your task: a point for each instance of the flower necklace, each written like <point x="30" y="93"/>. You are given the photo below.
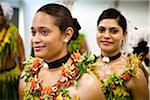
<point x="114" y="86"/>
<point x="70" y="73"/>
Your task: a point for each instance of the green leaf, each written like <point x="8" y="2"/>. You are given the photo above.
<point x="75" y="83"/>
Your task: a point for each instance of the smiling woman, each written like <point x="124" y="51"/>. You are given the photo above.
<point x="120" y="76"/>
<point x="55" y="74"/>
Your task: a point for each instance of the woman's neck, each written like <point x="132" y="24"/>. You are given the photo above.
<point x="58" y="62"/>
<point x="109" y="54"/>
<point x="56" y="56"/>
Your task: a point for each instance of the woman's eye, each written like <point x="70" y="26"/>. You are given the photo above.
<point x="114" y="31"/>
<point x="101" y="30"/>
<point x="44" y="32"/>
<point x="33" y="33"/>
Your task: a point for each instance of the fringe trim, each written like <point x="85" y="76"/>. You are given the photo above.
<point x="10" y="75"/>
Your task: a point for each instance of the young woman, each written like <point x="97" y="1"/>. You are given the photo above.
<point x="11" y="54"/>
<point x="120" y="76"/>
<point x="55" y="74"/>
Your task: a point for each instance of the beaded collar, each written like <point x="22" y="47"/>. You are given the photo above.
<point x="59" y="62"/>
<point x="107" y="59"/>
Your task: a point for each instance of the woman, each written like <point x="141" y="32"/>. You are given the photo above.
<point x="55" y="74"/>
<point x="120" y="75"/>
<point x="11" y="54"/>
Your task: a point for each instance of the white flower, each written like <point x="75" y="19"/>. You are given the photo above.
<point x="45" y="66"/>
<point x="105" y="59"/>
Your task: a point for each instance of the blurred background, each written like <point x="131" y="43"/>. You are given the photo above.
<point x="137" y="13"/>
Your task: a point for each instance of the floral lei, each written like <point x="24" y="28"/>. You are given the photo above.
<point x="69" y="75"/>
<point x="114" y="87"/>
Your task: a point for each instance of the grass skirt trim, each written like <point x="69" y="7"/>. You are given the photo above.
<point x="9" y="84"/>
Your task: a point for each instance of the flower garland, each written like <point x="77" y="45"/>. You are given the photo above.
<point x="69" y="75"/>
<point x="114" y="87"/>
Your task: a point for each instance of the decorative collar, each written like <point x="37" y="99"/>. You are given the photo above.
<point x="111" y="58"/>
<point x="59" y="62"/>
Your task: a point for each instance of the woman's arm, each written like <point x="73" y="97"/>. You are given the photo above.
<point x="22" y="86"/>
<point x="138" y="86"/>
<point x="20" y="47"/>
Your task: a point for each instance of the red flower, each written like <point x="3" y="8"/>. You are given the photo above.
<point x="36" y="63"/>
<point x="126" y="77"/>
<point x="63" y="71"/>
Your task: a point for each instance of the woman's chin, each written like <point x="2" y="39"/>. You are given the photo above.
<point x="39" y="55"/>
<point x="106" y="49"/>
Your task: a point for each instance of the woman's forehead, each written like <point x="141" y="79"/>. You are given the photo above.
<point x="108" y="23"/>
<point x="43" y="20"/>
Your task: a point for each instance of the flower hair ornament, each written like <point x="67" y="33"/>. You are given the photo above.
<point x="7" y="10"/>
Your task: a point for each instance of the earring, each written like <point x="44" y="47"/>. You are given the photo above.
<point x="65" y="40"/>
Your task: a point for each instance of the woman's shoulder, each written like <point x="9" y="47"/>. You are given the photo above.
<point x="138" y="85"/>
<point x="88" y="78"/>
<point x="88" y="88"/>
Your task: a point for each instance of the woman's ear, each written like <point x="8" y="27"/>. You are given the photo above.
<point x="68" y="34"/>
<point x="125" y="35"/>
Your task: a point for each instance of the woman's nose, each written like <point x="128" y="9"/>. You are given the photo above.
<point x="37" y="38"/>
<point x="107" y="34"/>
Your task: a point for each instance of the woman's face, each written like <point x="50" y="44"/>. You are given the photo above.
<point x="47" y="39"/>
<point x="109" y="37"/>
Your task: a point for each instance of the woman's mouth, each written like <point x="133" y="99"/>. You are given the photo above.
<point x="106" y="42"/>
<point x="38" y="48"/>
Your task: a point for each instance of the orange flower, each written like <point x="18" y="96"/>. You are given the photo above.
<point x="126" y="77"/>
<point x="47" y="89"/>
<point x="63" y="71"/>
<point x="33" y="82"/>
<point x="36" y="63"/>
<point x="76" y="56"/>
